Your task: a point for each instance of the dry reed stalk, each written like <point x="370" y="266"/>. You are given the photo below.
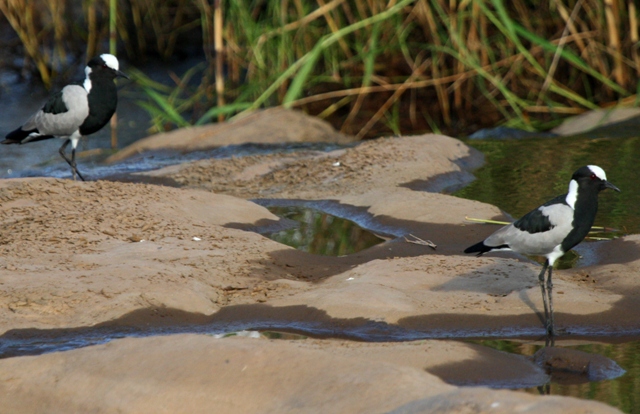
<point x="234" y="62"/>
<point x="334" y="28"/>
<point x="282" y="51"/>
<point x="570" y="22"/>
<point x="208" y="46"/>
<point x="319" y="12"/>
<point x="218" y="29"/>
<point x="484" y="24"/>
<point x="392" y="100"/>
<point x="348" y="13"/>
<point x="355" y="109"/>
<point x="633" y="33"/>
<point x="439" y="59"/>
<point x="556" y="56"/>
<point x="459" y="67"/>
<point x="611" y="13"/>
<point x="629" y="100"/>
<point x="56" y="9"/>
<point x="555" y="110"/>
<point x="136" y="14"/>
<point x="92" y="28"/>
<point x="21" y="17"/>
<point x="475" y="46"/>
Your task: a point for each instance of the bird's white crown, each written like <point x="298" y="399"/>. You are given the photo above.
<point x="110" y="60"/>
<point x="599" y="172"/>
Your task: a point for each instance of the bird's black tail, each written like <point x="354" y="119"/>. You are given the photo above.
<point x="20" y="136"/>
<point x="479" y="248"/>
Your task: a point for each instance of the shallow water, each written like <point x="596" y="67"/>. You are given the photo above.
<point x="322" y="233"/>
<point x="48" y="163"/>
<point x="622" y="392"/>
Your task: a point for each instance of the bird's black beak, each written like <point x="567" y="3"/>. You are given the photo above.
<point x="122" y="75"/>
<point x="607" y="184"/>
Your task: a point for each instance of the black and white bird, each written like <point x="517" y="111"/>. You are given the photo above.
<point x="77" y="110"/>
<point x="552" y="229"/>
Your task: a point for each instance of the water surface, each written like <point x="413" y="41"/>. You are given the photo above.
<point x="622" y="392"/>
<point x="318" y="232"/>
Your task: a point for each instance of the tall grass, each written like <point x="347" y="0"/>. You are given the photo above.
<point x="369" y="67"/>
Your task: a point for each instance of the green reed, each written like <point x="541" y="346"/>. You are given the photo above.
<point x="370" y="67"/>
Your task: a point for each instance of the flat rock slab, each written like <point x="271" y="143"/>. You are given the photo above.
<point x="201" y="374"/>
<point x="382" y="164"/>
<point x="582" y="365"/>
<point x="268" y="126"/>
<point x="590" y="122"/>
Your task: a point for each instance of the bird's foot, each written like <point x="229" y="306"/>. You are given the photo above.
<point x="550" y="330"/>
<point x="76" y="172"/>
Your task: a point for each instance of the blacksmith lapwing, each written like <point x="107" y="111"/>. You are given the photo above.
<point x="75" y="111"/>
<point x="552" y="229"/>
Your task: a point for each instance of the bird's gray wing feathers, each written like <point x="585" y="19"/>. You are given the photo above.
<point x="538" y="220"/>
<point x="559" y="218"/>
<point x="534" y="222"/>
<point x="55" y="104"/>
<point x="52" y="120"/>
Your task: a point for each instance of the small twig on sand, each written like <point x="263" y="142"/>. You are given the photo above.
<point x="418" y="240"/>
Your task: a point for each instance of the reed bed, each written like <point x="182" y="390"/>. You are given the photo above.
<point x="369" y="67"/>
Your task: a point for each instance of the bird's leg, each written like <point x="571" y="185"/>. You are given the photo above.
<point x="549" y="341"/>
<point x="544" y="292"/>
<point x="62" y="154"/>
<point x="72" y="161"/>
<point x="545" y="389"/>
<point x="550" y="329"/>
<point x="75" y="169"/>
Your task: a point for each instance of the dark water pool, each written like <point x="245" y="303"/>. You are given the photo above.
<point x="622" y="392"/>
<point x="318" y="232"/>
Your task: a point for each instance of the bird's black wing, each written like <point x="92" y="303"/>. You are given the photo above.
<point x="55" y="105"/>
<point x="536" y="221"/>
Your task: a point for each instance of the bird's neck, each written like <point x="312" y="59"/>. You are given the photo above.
<point x="92" y="81"/>
<point x="572" y="194"/>
<point x="103" y="98"/>
<point x="585" y="210"/>
<point x="87" y="84"/>
<point x="586" y="206"/>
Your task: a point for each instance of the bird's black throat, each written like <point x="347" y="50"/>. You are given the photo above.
<point x="103" y="99"/>
<point x="586" y="208"/>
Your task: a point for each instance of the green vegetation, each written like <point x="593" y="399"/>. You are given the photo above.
<point x="369" y="67"/>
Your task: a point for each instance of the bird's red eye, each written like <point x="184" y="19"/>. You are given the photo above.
<point x="593" y="176"/>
